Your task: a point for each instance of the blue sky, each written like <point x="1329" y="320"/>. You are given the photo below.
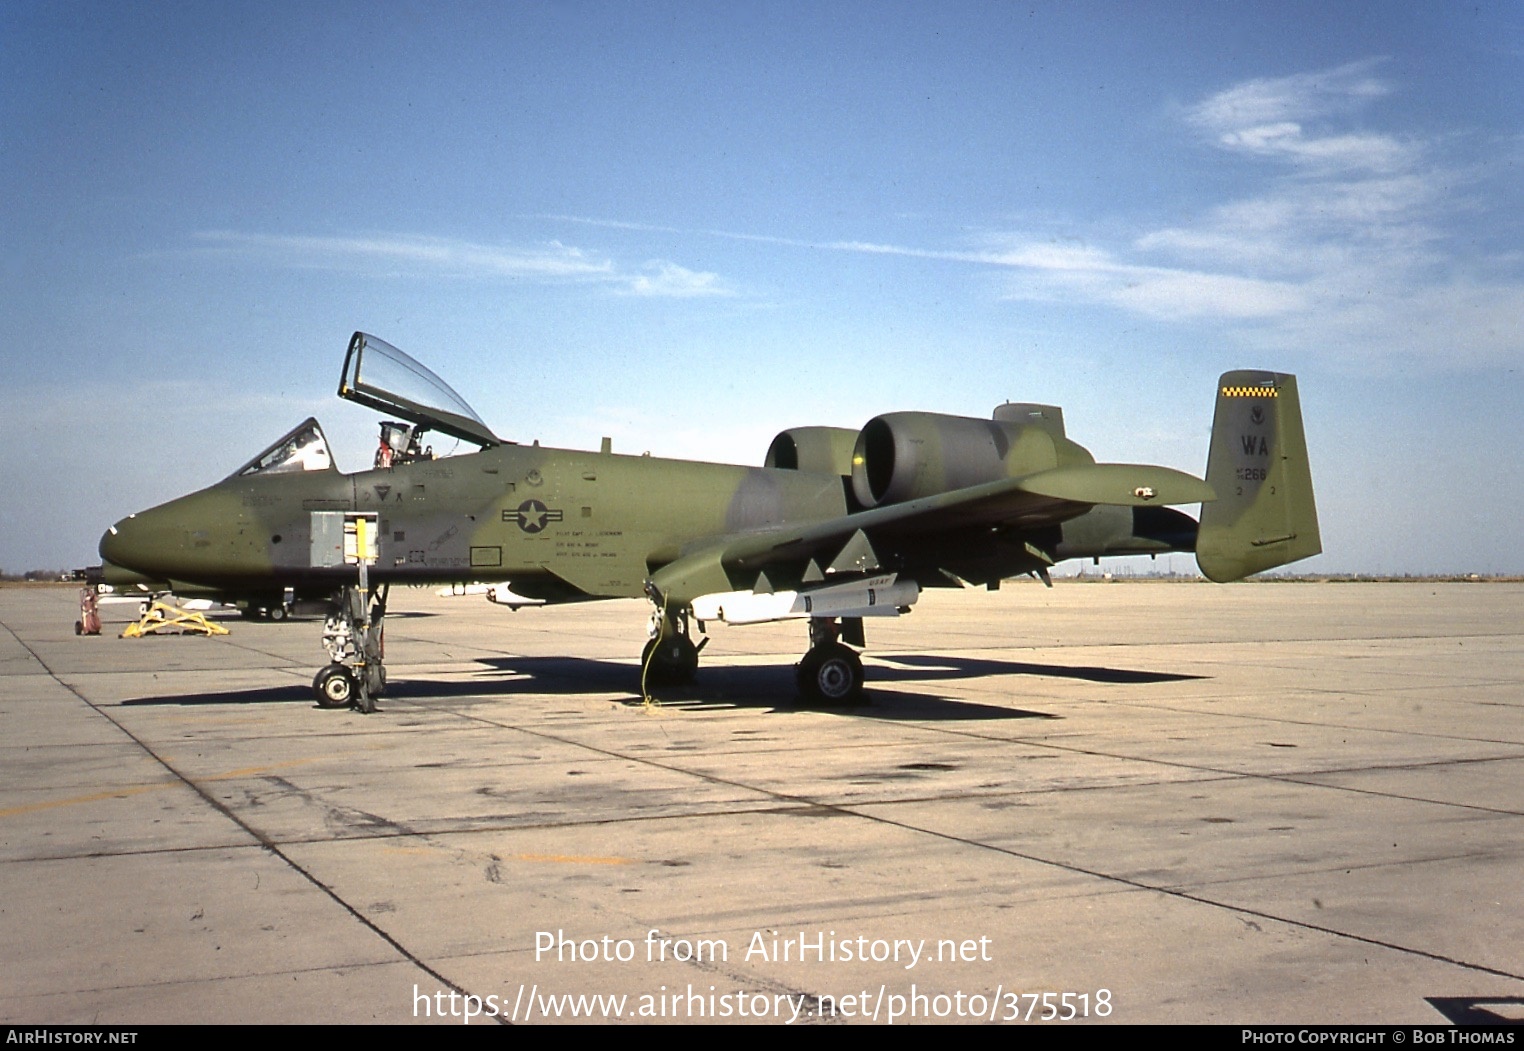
<point x="688" y="226"/>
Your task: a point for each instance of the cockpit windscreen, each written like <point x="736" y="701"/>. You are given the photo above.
<point x="301" y="449"/>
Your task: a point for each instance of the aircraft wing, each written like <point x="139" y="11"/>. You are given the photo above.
<point x="850" y="542"/>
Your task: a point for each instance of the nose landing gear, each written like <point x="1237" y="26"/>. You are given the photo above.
<point x="670" y="657"/>
<point x="352" y="634"/>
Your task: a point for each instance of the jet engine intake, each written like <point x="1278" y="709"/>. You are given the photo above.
<point x="826" y="450"/>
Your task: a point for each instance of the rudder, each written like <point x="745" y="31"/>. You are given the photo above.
<point x="1264" y="515"/>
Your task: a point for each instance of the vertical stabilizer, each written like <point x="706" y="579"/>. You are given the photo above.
<point x="1264" y="515"/>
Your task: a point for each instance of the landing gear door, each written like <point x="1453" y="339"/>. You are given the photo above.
<point x="344" y="538"/>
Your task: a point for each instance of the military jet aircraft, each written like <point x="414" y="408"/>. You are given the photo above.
<point x="837" y="526"/>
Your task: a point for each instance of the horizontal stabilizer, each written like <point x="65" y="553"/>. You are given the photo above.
<point x="1124" y="484"/>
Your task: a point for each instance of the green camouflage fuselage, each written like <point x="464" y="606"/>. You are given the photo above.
<point x="559" y="524"/>
<point x="564" y="525"/>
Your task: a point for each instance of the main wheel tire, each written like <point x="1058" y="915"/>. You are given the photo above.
<point x="277" y="613"/>
<point x="674" y="663"/>
<point x="831" y="675"/>
<point x="335" y="687"/>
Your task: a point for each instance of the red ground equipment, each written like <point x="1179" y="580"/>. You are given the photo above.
<point x="89" y="622"/>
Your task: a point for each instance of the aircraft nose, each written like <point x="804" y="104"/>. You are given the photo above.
<point x="197" y="538"/>
<point x="121" y="545"/>
<point x="151" y="541"/>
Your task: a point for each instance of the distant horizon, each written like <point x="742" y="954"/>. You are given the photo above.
<point x="1101" y="575"/>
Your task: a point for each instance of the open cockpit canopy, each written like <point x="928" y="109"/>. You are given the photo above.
<point x="379" y="375"/>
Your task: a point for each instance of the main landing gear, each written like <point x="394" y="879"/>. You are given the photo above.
<point x="352" y="634"/>
<point x="830" y="673"/>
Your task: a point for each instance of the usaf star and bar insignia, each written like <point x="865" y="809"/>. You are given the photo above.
<point x="532" y="516"/>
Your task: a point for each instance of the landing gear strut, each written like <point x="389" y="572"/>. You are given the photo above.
<point x="830" y="673"/>
<point x="670" y="657"/>
<point x="352" y="635"/>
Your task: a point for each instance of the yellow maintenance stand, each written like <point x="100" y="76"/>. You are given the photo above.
<point x="163" y="618"/>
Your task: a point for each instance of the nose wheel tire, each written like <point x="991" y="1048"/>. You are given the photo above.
<point x="335" y="687"/>
<point x="830" y="675"/>
<point x="670" y="662"/>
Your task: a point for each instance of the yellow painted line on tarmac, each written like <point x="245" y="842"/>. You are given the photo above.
<point x="560" y="859"/>
<point x="93" y="797"/>
<point x="573" y="859"/>
<point x="256" y="771"/>
<point x="133" y="790"/>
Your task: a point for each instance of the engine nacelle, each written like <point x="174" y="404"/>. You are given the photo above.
<point x="827" y="450"/>
<point x="907" y="455"/>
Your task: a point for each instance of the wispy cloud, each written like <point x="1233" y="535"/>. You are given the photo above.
<point x="402" y="252"/>
<point x="394" y="254"/>
<point x="669" y="279"/>
<point x="1349" y="247"/>
<point x="1287" y="118"/>
<point x="1300" y="96"/>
